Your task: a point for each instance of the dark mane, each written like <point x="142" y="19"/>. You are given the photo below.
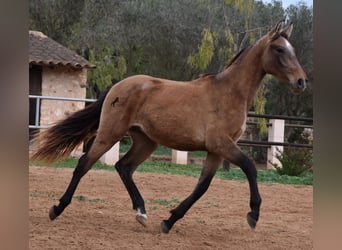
<point x="237" y="56"/>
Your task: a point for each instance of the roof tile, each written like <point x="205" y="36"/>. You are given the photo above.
<point x="43" y="50"/>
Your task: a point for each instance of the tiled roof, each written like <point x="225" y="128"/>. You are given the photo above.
<point x="45" y="51"/>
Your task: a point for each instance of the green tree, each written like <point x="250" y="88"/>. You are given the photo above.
<point x="241" y="5"/>
<point x="55" y="18"/>
<point x="203" y="57"/>
<point x="109" y="67"/>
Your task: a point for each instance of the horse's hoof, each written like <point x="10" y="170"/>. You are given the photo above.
<point x="52" y="214"/>
<point x="141" y="219"/>
<point x="251" y="221"/>
<point x="164" y="228"/>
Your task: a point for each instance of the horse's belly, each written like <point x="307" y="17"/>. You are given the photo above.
<point x="176" y="136"/>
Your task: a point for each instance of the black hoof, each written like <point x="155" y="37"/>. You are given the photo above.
<point x="52" y="214"/>
<point x="251" y="221"/>
<point x="164" y="228"/>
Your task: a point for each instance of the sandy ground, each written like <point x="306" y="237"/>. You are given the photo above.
<point x="100" y="216"/>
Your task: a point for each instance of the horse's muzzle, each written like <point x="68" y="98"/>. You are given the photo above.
<point x="299" y="86"/>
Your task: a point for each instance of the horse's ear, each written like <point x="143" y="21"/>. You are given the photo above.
<point x="276" y="30"/>
<point x="288" y="30"/>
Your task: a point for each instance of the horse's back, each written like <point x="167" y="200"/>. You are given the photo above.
<point x="153" y="89"/>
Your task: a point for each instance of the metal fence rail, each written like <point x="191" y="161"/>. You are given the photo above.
<point x="282" y="117"/>
<point x="38" y="103"/>
<point x="267" y="144"/>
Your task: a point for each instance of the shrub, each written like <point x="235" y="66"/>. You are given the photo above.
<point x="295" y="161"/>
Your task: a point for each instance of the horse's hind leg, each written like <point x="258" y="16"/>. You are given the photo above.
<point x="142" y="148"/>
<point x="86" y="161"/>
<point x="211" y="165"/>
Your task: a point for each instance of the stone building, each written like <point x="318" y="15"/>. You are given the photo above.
<point x="55" y="71"/>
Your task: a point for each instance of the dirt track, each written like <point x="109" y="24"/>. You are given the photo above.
<point x="100" y="216"/>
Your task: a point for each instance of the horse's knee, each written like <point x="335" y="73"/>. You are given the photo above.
<point x="123" y="171"/>
<point x="119" y="167"/>
<point x="246" y="165"/>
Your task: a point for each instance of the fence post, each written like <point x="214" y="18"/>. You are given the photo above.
<point x="275" y="134"/>
<point x="112" y="155"/>
<point x="179" y="157"/>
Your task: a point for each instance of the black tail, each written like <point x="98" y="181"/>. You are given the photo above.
<point x="61" y="139"/>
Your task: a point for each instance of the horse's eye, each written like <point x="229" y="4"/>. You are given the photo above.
<point x="280" y="50"/>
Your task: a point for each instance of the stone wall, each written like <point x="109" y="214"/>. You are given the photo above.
<point x="61" y="81"/>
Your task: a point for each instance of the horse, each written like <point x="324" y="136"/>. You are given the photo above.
<point x="208" y="114"/>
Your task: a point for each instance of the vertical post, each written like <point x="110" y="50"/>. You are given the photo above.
<point x="37" y="118"/>
<point x="275" y="134"/>
<point x="112" y="155"/>
<point x="179" y="157"/>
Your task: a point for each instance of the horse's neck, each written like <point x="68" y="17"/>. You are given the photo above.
<point x="245" y="75"/>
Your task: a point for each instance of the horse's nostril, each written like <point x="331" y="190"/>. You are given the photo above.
<point x="301" y="83"/>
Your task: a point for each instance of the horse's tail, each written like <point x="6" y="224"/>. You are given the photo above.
<point x="61" y="139"/>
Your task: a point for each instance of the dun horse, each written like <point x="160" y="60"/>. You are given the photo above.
<point x="207" y="114"/>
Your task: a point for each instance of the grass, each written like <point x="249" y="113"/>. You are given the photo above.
<point x="84" y="198"/>
<point x="211" y="204"/>
<point x="200" y="221"/>
<point x="168" y="203"/>
<point x="266" y="176"/>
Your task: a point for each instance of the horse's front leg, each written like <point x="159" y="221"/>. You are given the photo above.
<point x="211" y="165"/>
<point x="231" y="152"/>
<point x="249" y="169"/>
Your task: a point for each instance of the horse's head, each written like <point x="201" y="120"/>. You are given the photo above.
<point x="279" y="58"/>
